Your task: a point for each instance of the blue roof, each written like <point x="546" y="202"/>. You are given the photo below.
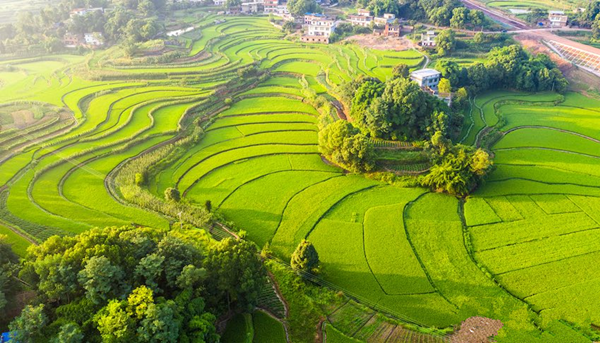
<point x="5" y="337"/>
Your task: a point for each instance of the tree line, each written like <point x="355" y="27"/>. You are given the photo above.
<point x="509" y="67"/>
<point x="437" y="12"/>
<point x="130" y="21"/>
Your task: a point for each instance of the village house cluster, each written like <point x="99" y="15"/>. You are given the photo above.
<point x="88" y="40"/>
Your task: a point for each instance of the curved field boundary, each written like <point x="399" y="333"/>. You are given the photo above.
<point x="551" y="128"/>
<point x="547" y="149"/>
<point x="412" y="246"/>
<point x="371" y="269"/>
<point x="241" y="159"/>
<point x="272" y="173"/>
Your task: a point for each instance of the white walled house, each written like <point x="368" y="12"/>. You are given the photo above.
<point x="93" y="39"/>
<point x="426" y="78"/>
<point x="360" y="20"/>
<point x="318" y="28"/>
<point x="557" y="18"/>
<point x="428" y="39"/>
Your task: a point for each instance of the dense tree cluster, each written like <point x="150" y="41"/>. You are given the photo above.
<point x="301" y="7"/>
<point x="131" y="20"/>
<point x="438" y="12"/>
<point x="590" y="18"/>
<point x="346" y="146"/>
<point x="136" y="285"/>
<point x="9" y="286"/>
<point x="509" y="67"/>
<point x="397" y="109"/>
<point x="457" y="169"/>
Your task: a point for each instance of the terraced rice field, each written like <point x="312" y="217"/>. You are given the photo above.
<point x="535" y="224"/>
<point x="411" y="254"/>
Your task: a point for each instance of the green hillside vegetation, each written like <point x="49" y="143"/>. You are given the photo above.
<point x="244" y="126"/>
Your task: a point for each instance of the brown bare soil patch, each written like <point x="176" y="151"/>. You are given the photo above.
<point x="476" y="330"/>
<point x="22" y="118"/>
<point x="381" y="43"/>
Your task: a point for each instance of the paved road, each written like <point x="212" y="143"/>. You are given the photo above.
<point x="496" y="15"/>
<point x="518" y="26"/>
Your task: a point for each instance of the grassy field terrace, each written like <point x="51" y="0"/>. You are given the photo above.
<point x="250" y="147"/>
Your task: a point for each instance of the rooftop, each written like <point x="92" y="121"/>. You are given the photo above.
<point x="556" y="12"/>
<point x="424" y="73"/>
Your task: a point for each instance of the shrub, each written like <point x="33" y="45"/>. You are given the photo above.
<point x="305" y="258"/>
<point x="172" y="194"/>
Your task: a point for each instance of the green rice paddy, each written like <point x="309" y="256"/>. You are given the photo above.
<point x="423" y="258"/>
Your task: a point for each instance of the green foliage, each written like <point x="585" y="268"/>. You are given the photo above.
<point x="305" y="258"/>
<point x="8" y="269"/>
<point x="172" y="194"/>
<point x="69" y="333"/>
<point x="398" y="110"/>
<point x="234" y="272"/>
<point x="346" y="146"/>
<point x="28" y="326"/>
<point x="445" y="42"/>
<point x="140" y="179"/>
<point x="511" y="67"/>
<point x="137" y="284"/>
<point x="458" y="169"/>
<point x="401" y="70"/>
<point x="445" y="86"/>
<point x="300" y="7"/>
<point x="100" y="279"/>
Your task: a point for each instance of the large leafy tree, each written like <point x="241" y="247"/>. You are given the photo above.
<point x="345" y="145"/>
<point x="458" y="169"/>
<point x="445" y="42"/>
<point x="301" y="7"/>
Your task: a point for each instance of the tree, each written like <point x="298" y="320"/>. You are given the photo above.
<point x="235" y="272"/>
<point x="233" y="3"/>
<point x="345" y="145"/>
<point x="208" y="205"/>
<point x="460" y="17"/>
<point x="114" y="324"/>
<point x="445" y="42"/>
<point x="305" y="258"/>
<point x="444" y="86"/>
<point x="146" y="8"/>
<point x="289" y="26"/>
<point x="29" y="324"/>
<point x="401" y="70"/>
<point x="477" y="18"/>
<point x="301" y="7"/>
<point x="479" y="38"/>
<point x="172" y="194"/>
<point x="69" y="333"/>
<point x="140" y="179"/>
<point x="101" y="279"/>
<point x="449" y="69"/>
<point x="8" y="267"/>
